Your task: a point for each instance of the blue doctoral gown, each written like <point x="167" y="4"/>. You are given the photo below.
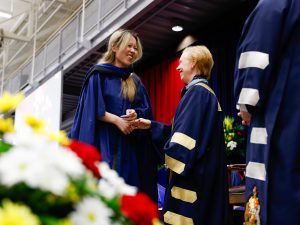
<point x="267" y="84"/>
<point x="195" y="154"/>
<point x="130" y="155"/>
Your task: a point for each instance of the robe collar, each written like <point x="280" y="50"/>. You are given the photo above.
<point x="106" y="70"/>
<point x="196" y="79"/>
<point x="111" y="70"/>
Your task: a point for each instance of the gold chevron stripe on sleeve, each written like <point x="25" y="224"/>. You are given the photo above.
<point x="211" y="91"/>
<point x="183" y="194"/>
<point x="177" y="219"/>
<point x="174" y="164"/>
<point x="183" y="140"/>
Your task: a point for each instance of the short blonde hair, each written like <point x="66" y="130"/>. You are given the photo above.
<point x="203" y="58"/>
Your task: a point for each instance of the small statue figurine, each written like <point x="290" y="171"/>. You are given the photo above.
<point x="251" y="215"/>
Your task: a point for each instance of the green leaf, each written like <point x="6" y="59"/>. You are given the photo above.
<point x="37" y="200"/>
<point x="4" y="147"/>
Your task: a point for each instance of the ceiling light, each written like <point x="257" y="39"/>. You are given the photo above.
<point x="177" y="28"/>
<point x="5" y="14"/>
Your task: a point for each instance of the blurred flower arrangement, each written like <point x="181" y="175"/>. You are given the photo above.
<point x="47" y="179"/>
<point x="234" y="136"/>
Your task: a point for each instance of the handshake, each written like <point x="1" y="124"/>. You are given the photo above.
<point x="131" y="122"/>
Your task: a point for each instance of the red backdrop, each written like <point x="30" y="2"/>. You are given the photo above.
<point x="163" y="85"/>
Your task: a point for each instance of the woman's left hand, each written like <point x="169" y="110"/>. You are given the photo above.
<point x="130" y="115"/>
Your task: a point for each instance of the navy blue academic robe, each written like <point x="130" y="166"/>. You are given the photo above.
<point x="195" y="155"/>
<point x="267" y="83"/>
<point x="130" y="155"/>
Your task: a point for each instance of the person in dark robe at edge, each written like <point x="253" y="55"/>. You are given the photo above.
<point x="197" y="192"/>
<point x="111" y="97"/>
<point x="267" y="90"/>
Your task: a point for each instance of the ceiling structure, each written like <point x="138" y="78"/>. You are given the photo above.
<point x="154" y="28"/>
<point x="29" y="19"/>
<point x="153" y="25"/>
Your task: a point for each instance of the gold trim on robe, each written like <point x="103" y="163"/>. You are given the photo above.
<point x="211" y="91"/>
<point x="184" y="140"/>
<point x="174" y="164"/>
<point x="183" y="194"/>
<point x="176" y="219"/>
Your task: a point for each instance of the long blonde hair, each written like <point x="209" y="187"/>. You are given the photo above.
<point x="120" y="39"/>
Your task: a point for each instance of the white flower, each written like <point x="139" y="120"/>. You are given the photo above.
<point x="39" y="163"/>
<point x="17" y="166"/>
<point x="57" y="156"/>
<point x="91" y="211"/>
<point x="57" y="164"/>
<point x="106" y="189"/>
<point x="231" y="145"/>
<point x="32" y="168"/>
<point x="64" y="160"/>
<point x="111" y="184"/>
<point x="106" y="172"/>
<point x="128" y="190"/>
<point x="27" y="140"/>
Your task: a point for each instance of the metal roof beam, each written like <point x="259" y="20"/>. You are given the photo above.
<point x="11" y="35"/>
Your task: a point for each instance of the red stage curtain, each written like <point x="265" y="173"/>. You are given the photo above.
<point x="163" y="85"/>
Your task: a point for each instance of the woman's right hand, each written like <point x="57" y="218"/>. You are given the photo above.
<point x="124" y="126"/>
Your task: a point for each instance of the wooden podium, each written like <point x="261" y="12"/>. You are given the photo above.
<point x="236" y="193"/>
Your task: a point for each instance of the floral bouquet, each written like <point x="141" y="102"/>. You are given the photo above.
<point x="234" y="136"/>
<point x="47" y="179"/>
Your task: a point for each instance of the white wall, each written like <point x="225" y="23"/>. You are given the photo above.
<point x="43" y="103"/>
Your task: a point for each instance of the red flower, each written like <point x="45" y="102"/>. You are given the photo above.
<point x="239" y="133"/>
<point x="140" y="209"/>
<point x="88" y="154"/>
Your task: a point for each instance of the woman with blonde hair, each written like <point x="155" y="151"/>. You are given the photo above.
<point x="111" y="98"/>
<point x="194" y="147"/>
